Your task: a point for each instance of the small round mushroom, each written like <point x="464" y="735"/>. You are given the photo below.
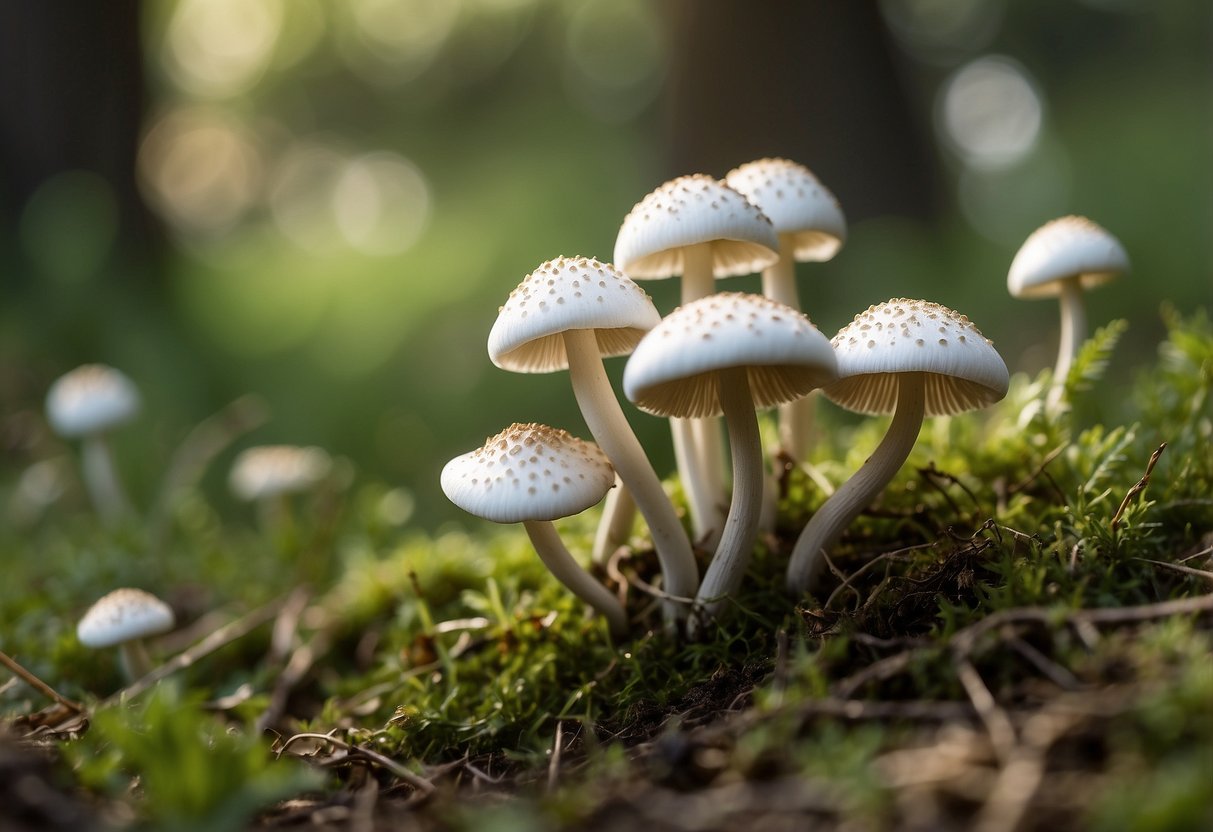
<point x="811" y="228"/>
<point x="268" y="471"/>
<point x="700" y="228"/>
<point x="729" y="353"/>
<point x="125" y="617"/>
<point x="1061" y="259"/>
<point x="86" y="404"/>
<point x="267" y="475"/>
<point x="534" y="474"/>
<point x="911" y="358"/>
<point x="568" y="314"/>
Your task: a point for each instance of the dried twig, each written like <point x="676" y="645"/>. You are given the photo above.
<point x="225" y="635"/>
<point x="998" y="724"/>
<point x="1138" y="487"/>
<point x="554" y="762"/>
<point x="1176" y="567"/>
<point x="37" y="684"/>
<point x="415" y="780"/>
<point x="208" y="438"/>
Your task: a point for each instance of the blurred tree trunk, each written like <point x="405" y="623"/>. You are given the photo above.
<point x="815" y="81"/>
<point x="72" y="98"/>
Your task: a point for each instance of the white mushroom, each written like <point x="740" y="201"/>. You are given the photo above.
<point x="910" y="358"/>
<point x="615" y="526"/>
<point x="698" y="227"/>
<point x="268" y="471"/>
<point x="124" y="618"/>
<point x="569" y="313"/>
<point x="87" y="403"/>
<point x="533" y="474"/>
<point x="267" y="475"/>
<point x="1061" y="259"/>
<point x="730" y="353"/>
<point x="811" y="228"/>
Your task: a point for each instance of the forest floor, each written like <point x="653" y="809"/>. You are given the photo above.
<point x="1017" y="635"/>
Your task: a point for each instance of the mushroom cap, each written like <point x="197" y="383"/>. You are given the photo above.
<point x="123" y="615"/>
<point x="963" y="370"/>
<point x="528" y="472"/>
<point x="1068" y="247"/>
<point x="687" y="211"/>
<point x="672" y="371"/>
<point x="797" y="203"/>
<point x="90" y="399"/>
<point x="269" y="470"/>
<point x="563" y="294"/>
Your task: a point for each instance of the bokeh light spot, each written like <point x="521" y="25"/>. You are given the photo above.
<point x="394" y="41"/>
<point x="614" y="58"/>
<point x="68" y="226"/>
<point x="990" y="112"/>
<point x="219" y="48"/>
<point x="381" y="202"/>
<point x="200" y="170"/>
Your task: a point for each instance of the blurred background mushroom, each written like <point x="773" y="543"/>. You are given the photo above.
<point x="300" y="198"/>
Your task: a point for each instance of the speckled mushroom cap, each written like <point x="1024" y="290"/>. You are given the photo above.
<point x="90" y="399"/>
<point x="687" y="211"/>
<point x="797" y="203"/>
<point x="1064" y="248"/>
<point x="963" y="370"/>
<point x="269" y="470"/>
<point x="672" y="371"/>
<point x="528" y="472"/>
<point x="123" y="615"/>
<point x="563" y="294"/>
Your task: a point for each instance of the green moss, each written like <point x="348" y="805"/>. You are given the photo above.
<point x="453" y="650"/>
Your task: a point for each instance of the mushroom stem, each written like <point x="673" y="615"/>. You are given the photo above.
<point x="564" y="568"/>
<point x="700" y="462"/>
<point x="845" y="504"/>
<point x="134" y="659"/>
<point x="615" y="527"/>
<point x="779" y="278"/>
<point x="795" y="417"/>
<point x="611" y="430"/>
<point x="698" y="277"/>
<point x="737" y="542"/>
<point x="101" y="479"/>
<point x="1073" y="334"/>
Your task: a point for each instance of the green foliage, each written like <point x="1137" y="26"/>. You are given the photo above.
<point x="193" y="771"/>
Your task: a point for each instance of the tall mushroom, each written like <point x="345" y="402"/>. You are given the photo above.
<point x="1061" y="259"/>
<point x="698" y="227"/>
<point x="87" y="403"/>
<point x="729" y="353"/>
<point x="911" y="358"/>
<point x="568" y="314"/>
<point x="124" y="618"/>
<point x="534" y="474"/>
<point x="811" y="228"/>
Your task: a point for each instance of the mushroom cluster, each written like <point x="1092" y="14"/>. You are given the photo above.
<point x="730" y="354"/>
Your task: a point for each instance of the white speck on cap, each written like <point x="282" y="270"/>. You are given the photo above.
<point x="91" y="399"/>
<point x="963" y="370"/>
<point x="269" y="470"/>
<point x="528" y="472"/>
<point x="123" y="615"/>
<point x="688" y="211"/>
<point x="1064" y="248"/>
<point x="797" y="203"/>
<point x="672" y="372"/>
<point x="563" y="294"/>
